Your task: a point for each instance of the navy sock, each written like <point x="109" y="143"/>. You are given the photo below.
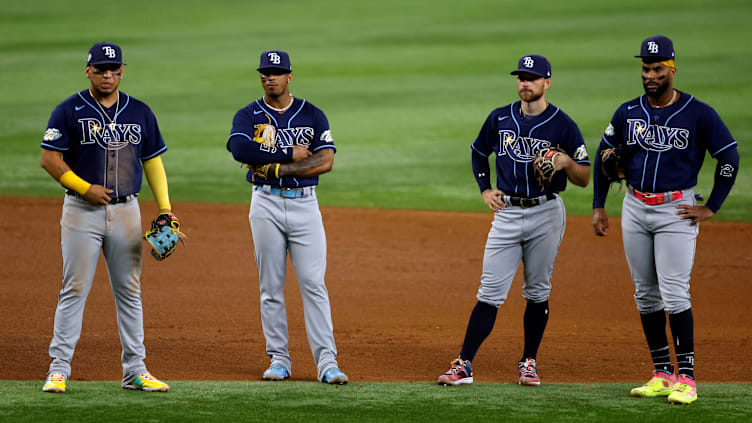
<point x="682" y="329"/>
<point x="654" y="326"/>
<point x="481" y="323"/>
<point x="535" y="320"/>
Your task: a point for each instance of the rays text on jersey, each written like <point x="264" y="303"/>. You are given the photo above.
<point x="656" y="137"/>
<point x="108" y="138"/>
<point x="288" y="137"/>
<point x="522" y="149"/>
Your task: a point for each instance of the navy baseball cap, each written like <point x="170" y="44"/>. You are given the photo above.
<point x="275" y="59"/>
<point x="103" y="53"/>
<point x="534" y="64"/>
<point x="658" y="47"/>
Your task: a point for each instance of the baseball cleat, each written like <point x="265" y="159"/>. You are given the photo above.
<point x="334" y="376"/>
<point x="146" y="382"/>
<point x="685" y="391"/>
<point x="461" y="373"/>
<point x="56" y="382"/>
<point x="660" y="385"/>
<point x="276" y="372"/>
<point x="528" y="372"/>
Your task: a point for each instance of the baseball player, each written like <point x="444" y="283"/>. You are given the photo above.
<point x="287" y="144"/>
<point x="96" y="145"/>
<point x="665" y="133"/>
<point x="529" y="219"/>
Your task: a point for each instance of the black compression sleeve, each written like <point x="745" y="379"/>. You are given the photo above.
<point x="725" y="175"/>
<point x="481" y="171"/>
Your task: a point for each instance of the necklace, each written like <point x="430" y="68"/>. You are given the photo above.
<point x="282" y="110"/>
<point x="670" y="102"/>
<point x="113" y="122"/>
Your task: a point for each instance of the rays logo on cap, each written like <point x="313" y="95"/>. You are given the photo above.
<point x="274" y="58"/>
<point x="653" y="47"/>
<point x="528" y="62"/>
<point x="109" y="52"/>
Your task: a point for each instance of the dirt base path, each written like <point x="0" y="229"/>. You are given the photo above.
<point x="402" y="285"/>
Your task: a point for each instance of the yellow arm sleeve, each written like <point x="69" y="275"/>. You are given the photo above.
<point x="155" y="174"/>
<point x="72" y="181"/>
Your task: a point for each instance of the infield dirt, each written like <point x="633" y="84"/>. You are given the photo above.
<point x="402" y="285"/>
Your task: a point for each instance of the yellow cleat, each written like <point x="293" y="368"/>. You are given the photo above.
<point x="685" y="391"/>
<point x="55" y="383"/>
<point x="146" y="382"/>
<point x="660" y="385"/>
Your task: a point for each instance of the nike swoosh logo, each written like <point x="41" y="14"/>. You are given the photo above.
<point x="79" y="107"/>
<point x="632" y="107"/>
<point x="502" y="118"/>
<point x="258" y="112"/>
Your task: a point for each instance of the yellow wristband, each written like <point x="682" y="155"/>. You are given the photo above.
<point x="276" y="171"/>
<point x="72" y="181"/>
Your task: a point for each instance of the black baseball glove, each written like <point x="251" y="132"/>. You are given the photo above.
<point x="613" y="161"/>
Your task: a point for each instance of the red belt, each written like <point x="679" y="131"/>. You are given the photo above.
<point x="654" y="199"/>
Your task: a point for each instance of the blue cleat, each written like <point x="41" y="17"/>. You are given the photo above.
<point x="334" y="376"/>
<point x="276" y="372"/>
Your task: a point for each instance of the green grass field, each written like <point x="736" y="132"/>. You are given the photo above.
<point x="363" y="402"/>
<point x="406" y="86"/>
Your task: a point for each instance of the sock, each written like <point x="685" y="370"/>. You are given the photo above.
<point x="654" y="326"/>
<point x="481" y="323"/>
<point x="535" y="320"/>
<point x="682" y="329"/>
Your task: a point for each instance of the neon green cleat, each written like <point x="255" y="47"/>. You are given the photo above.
<point x="660" y="385"/>
<point x="147" y="382"/>
<point x="55" y="382"/>
<point x="685" y="391"/>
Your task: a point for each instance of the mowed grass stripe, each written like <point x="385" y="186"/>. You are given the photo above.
<point x="406" y="86"/>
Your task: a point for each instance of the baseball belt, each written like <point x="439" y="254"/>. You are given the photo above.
<point x="654" y="199"/>
<point x="527" y="202"/>
<point x="115" y="200"/>
<point x="286" y="192"/>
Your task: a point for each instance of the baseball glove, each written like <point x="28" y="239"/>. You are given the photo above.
<point x="612" y="163"/>
<point x="164" y="235"/>
<point x="266" y="171"/>
<point x="544" y="165"/>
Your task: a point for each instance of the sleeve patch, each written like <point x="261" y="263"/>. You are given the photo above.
<point x="52" y="134"/>
<point x="326" y="136"/>
<point x="580" y="153"/>
<point x="610" y="130"/>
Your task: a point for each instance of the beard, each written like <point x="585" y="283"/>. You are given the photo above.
<point x="530" y="96"/>
<point x="659" y="91"/>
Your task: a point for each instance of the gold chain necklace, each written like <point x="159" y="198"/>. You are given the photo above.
<point x="670" y="102"/>
<point x="113" y="122"/>
<point x="282" y="110"/>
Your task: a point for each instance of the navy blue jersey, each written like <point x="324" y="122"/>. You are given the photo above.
<point x="101" y="153"/>
<point x="302" y="124"/>
<point x="516" y="140"/>
<point x="666" y="146"/>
